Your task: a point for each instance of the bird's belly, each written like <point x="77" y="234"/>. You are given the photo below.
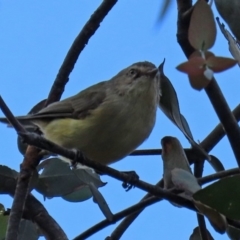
<point x="107" y="139"/>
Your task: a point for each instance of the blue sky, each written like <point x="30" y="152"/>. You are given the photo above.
<point x="35" y="37"/>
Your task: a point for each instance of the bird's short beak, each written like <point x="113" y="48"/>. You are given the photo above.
<point x="153" y="72"/>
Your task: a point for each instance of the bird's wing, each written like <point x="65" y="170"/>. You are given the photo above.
<point x="77" y="106"/>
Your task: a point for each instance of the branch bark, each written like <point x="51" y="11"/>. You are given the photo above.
<point x="212" y="90"/>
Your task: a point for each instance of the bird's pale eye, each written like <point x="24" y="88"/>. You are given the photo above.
<point x="133" y="73"/>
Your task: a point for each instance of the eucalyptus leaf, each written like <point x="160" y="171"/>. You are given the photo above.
<point x="59" y="180"/>
<point x="169" y="105"/>
<point x="196" y="235"/>
<point x="28" y="230"/>
<point x="223" y="196"/>
<point x="99" y="199"/>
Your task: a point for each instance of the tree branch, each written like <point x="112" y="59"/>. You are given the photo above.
<point x="34" y="211"/>
<point x="213" y="91"/>
<point x="118" y="216"/>
<point x="78" y="45"/>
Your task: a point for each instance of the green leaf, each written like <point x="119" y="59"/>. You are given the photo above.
<point x="28" y="230"/>
<point x="197" y="236"/>
<point x="217" y="220"/>
<point x="233" y="233"/>
<point x="202" y="30"/>
<point x="216" y="164"/>
<point x="223" y="196"/>
<point x="57" y="179"/>
<point x="168" y="103"/>
<point x="99" y="199"/>
<point x="80" y="194"/>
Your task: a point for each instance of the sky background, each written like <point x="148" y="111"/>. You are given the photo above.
<point x="35" y="37"/>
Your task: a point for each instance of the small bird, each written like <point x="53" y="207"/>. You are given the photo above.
<point x="106" y="121"/>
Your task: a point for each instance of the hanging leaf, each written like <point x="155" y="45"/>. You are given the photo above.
<point x="169" y="105"/>
<point x="198" y="82"/>
<point x="216" y="164"/>
<point x="99" y="199"/>
<point x="202" y="29"/>
<point x="173" y="157"/>
<point x="229" y="11"/>
<point x="57" y="179"/>
<point x="233" y="233"/>
<point x="28" y="230"/>
<point x="196" y="235"/>
<point x="217" y="220"/>
<point x="79" y="194"/>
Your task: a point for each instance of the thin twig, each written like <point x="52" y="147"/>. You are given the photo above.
<point x="218" y="175"/>
<point x="118" y="216"/>
<point x="127" y="221"/>
<point x="202" y="227"/>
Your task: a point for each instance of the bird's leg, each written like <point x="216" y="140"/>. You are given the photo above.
<point x="130" y="182"/>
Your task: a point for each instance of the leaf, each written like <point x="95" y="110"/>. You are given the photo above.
<point x="197" y="236"/>
<point x="99" y="199"/>
<point x="8" y="172"/>
<point x="233" y="233"/>
<point x="217" y="220"/>
<point x="80" y="194"/>
<point x="194" y="66"/>
<point x="216" y="164"/>
<point x="229" y="11"/>
<point x="173" y="157"/>
<point x="57" y="179"/>
<point x="185" y="180"/>
<point x="223" y="196"/>
<point x="168" y="103"/>
<point x="165" y="7"/>
<point x="28" y="230"/>
<point x="220" y="64"/>
<point x="202" y="29"/>
<point x="198" y="82"/>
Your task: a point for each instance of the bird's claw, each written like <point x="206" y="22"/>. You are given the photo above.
<point x="130" y="182"/>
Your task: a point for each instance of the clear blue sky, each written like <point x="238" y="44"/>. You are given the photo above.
<point x="35" y="37"/>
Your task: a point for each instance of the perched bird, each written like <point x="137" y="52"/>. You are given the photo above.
<point x="106" y="121"/>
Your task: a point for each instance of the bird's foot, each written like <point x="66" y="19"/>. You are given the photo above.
<point x="130" y="182"/>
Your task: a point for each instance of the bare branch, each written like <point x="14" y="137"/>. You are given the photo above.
<point x="78" y="45"/>
<point x="118" y="216"/>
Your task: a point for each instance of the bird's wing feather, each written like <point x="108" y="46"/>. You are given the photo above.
<point x="77" y="106"/>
